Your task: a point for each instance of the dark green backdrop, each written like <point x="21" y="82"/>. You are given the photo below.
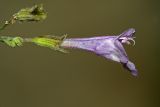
<point x="32" y="76"/>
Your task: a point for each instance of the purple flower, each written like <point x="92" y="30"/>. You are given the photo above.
<point x="109" y="47"/>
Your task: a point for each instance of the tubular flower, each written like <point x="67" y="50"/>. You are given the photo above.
<point x="109" y="47"/>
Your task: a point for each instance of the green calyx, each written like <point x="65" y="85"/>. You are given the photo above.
<point x="52" y="42"/>
<point x="35" y="13"/>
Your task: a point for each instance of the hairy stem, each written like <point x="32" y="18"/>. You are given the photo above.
<point x="7" y="23"/>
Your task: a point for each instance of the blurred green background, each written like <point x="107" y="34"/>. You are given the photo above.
<point x="32" y="76"/>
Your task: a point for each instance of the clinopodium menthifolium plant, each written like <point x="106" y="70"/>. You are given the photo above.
<point x="109" y="47"/>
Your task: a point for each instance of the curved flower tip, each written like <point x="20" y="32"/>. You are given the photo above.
<point x="131" y="67"/>
<point x="109" y="47"/>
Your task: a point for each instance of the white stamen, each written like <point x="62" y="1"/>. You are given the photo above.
<point x="126" y="40"/>
<point x="131" y="39"/>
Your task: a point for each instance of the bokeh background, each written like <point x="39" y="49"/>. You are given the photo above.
<point x="32" y="76"/>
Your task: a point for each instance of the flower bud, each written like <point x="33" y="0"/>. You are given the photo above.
<point x="35" y="13"/>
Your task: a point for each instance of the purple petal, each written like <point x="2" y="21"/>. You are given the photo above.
<point x="109" y="47"/>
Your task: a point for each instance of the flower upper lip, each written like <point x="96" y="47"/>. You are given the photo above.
<point x="127" y="36"/>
